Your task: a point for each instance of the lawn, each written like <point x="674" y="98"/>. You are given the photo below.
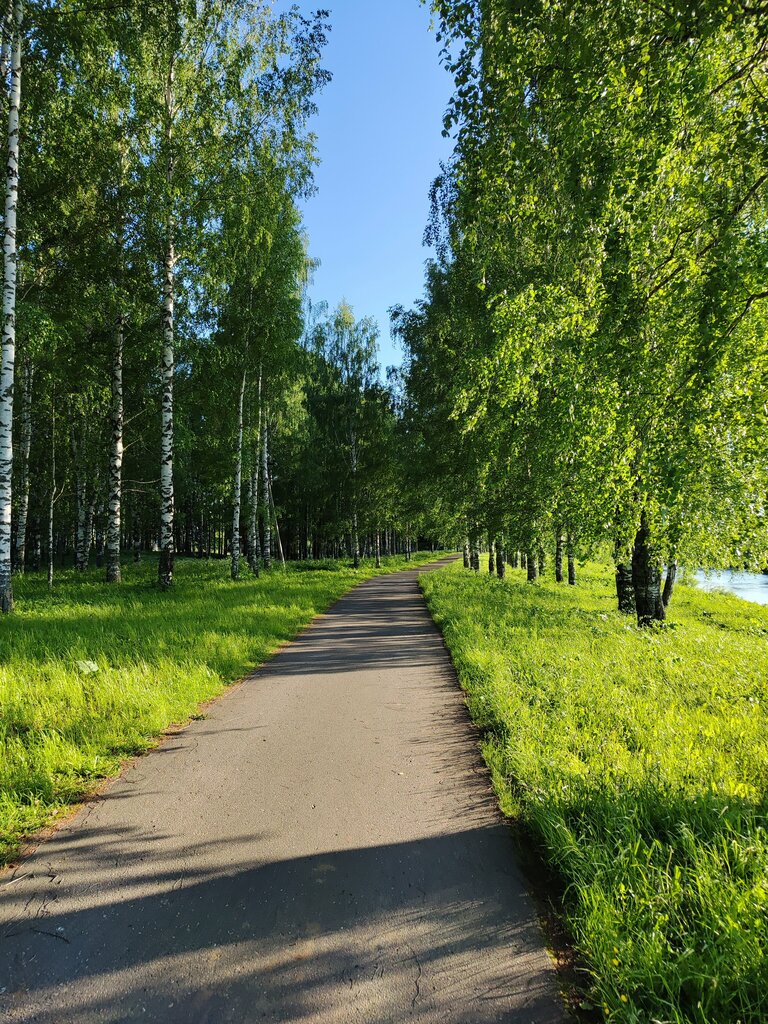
<point x="636" y="762"/>
<point x="91" y="674"/>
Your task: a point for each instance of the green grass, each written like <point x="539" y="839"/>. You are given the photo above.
<point x="638" y="760"/>
<point x="156" y="657"/>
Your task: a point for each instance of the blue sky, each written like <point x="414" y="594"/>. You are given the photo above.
<point x="379" y="138"/>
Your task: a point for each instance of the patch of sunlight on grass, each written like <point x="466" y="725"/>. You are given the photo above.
<point x="638" y="759"/>
<point x="91" y="673"/>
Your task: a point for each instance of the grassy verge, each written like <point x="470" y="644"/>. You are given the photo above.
<point x="639" y="762"/>
<point x="91" y="674"/>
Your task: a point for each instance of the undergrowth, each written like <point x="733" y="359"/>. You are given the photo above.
<point x="91" y="673"/>
<point x="638" y="759"/>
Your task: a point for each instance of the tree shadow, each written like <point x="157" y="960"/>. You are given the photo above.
<point x="432" y="929"/>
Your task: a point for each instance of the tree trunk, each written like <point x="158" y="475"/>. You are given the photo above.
<point x="355" y="537"/>
<point x="378" y="549"/>
<point x="99" y="534"/>
<point x="491" y="557"/>
<point x="167" y="549"/>
<point x="90" y="515"/>
<point x="6" y="26"/>
<point x="254" y="545"/>
<point x="265" y="494"/>
<point x="9" y="312"/>
<point x="115" y="484"/>
<point x="474" y="557"/>
<point x="467" y="563"/>
<point x="646" y="578"/>
<point x="559" y="558"/>
<point x="532" y="562"/>
<point x="136" y="538"/>
<point x="24" y="450"/>
<point x="669" y="584"/>
<point x="624" y="589"/>
<point x="501" y="562"/>
<point x="36" y="553"/>
<point x="355" y="540"/>
<point x="277" y="525"/>
<point x="52" y="499"/>
<point x="238" y="485"/>
<point x="81" y="512"/>
<point x="571" y="562"/>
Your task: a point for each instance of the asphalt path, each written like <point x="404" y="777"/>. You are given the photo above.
<point x="323" y="847"/>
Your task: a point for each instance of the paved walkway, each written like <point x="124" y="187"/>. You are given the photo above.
<point x="323" y="847"/>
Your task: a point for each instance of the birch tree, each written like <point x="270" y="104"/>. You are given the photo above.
<point x="237" y="488"/>
<point x="9" y="305"/>
<point x="115" y="495"/>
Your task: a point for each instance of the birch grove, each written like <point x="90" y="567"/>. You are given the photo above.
<point x="161" y="267"/>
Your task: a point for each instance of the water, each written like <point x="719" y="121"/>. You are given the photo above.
<point x="751" y="586"/>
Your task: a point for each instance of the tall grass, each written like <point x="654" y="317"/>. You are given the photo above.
<point x="639" y="761"/>
<point x="91" y="674"/>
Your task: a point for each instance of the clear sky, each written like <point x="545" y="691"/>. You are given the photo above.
<point x="379" y="139"/>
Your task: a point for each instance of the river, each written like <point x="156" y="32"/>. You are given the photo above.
<point x="752" y="586"/>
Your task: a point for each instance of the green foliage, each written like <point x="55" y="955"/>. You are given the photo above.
<point x="594" y="327"/>
<point x="142" y="123"/>
<point x="90" y="674"/>
<point x="638" y="760"/>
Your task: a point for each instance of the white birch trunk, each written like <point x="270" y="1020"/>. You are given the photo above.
<point x="355" y="531"/>
<point x="238" y="486"/>
<point x="90" y="515"/>
<point x="98" y="533"/>
<point x="80" y="505"/>
<point x="254" y="545"/>
<point x="51" y="503"/>
<point x="114" y="529"/>
<point x="6" y="26"/>
<point x="277" y="525"/>
<point x="265" y="494"/>
<point x="114" y="509"/>
<point x="166" y="446"/>
<point x="24" y="449"/>
<point x="80" y="564"/>
<point x="355" y="540"/>
<point x="9" y="313"/>
<point x="52" y="498"/>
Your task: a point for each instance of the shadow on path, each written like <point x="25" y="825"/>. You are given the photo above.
<point x="283" y="941"/>
<point x="323" y="847"/>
